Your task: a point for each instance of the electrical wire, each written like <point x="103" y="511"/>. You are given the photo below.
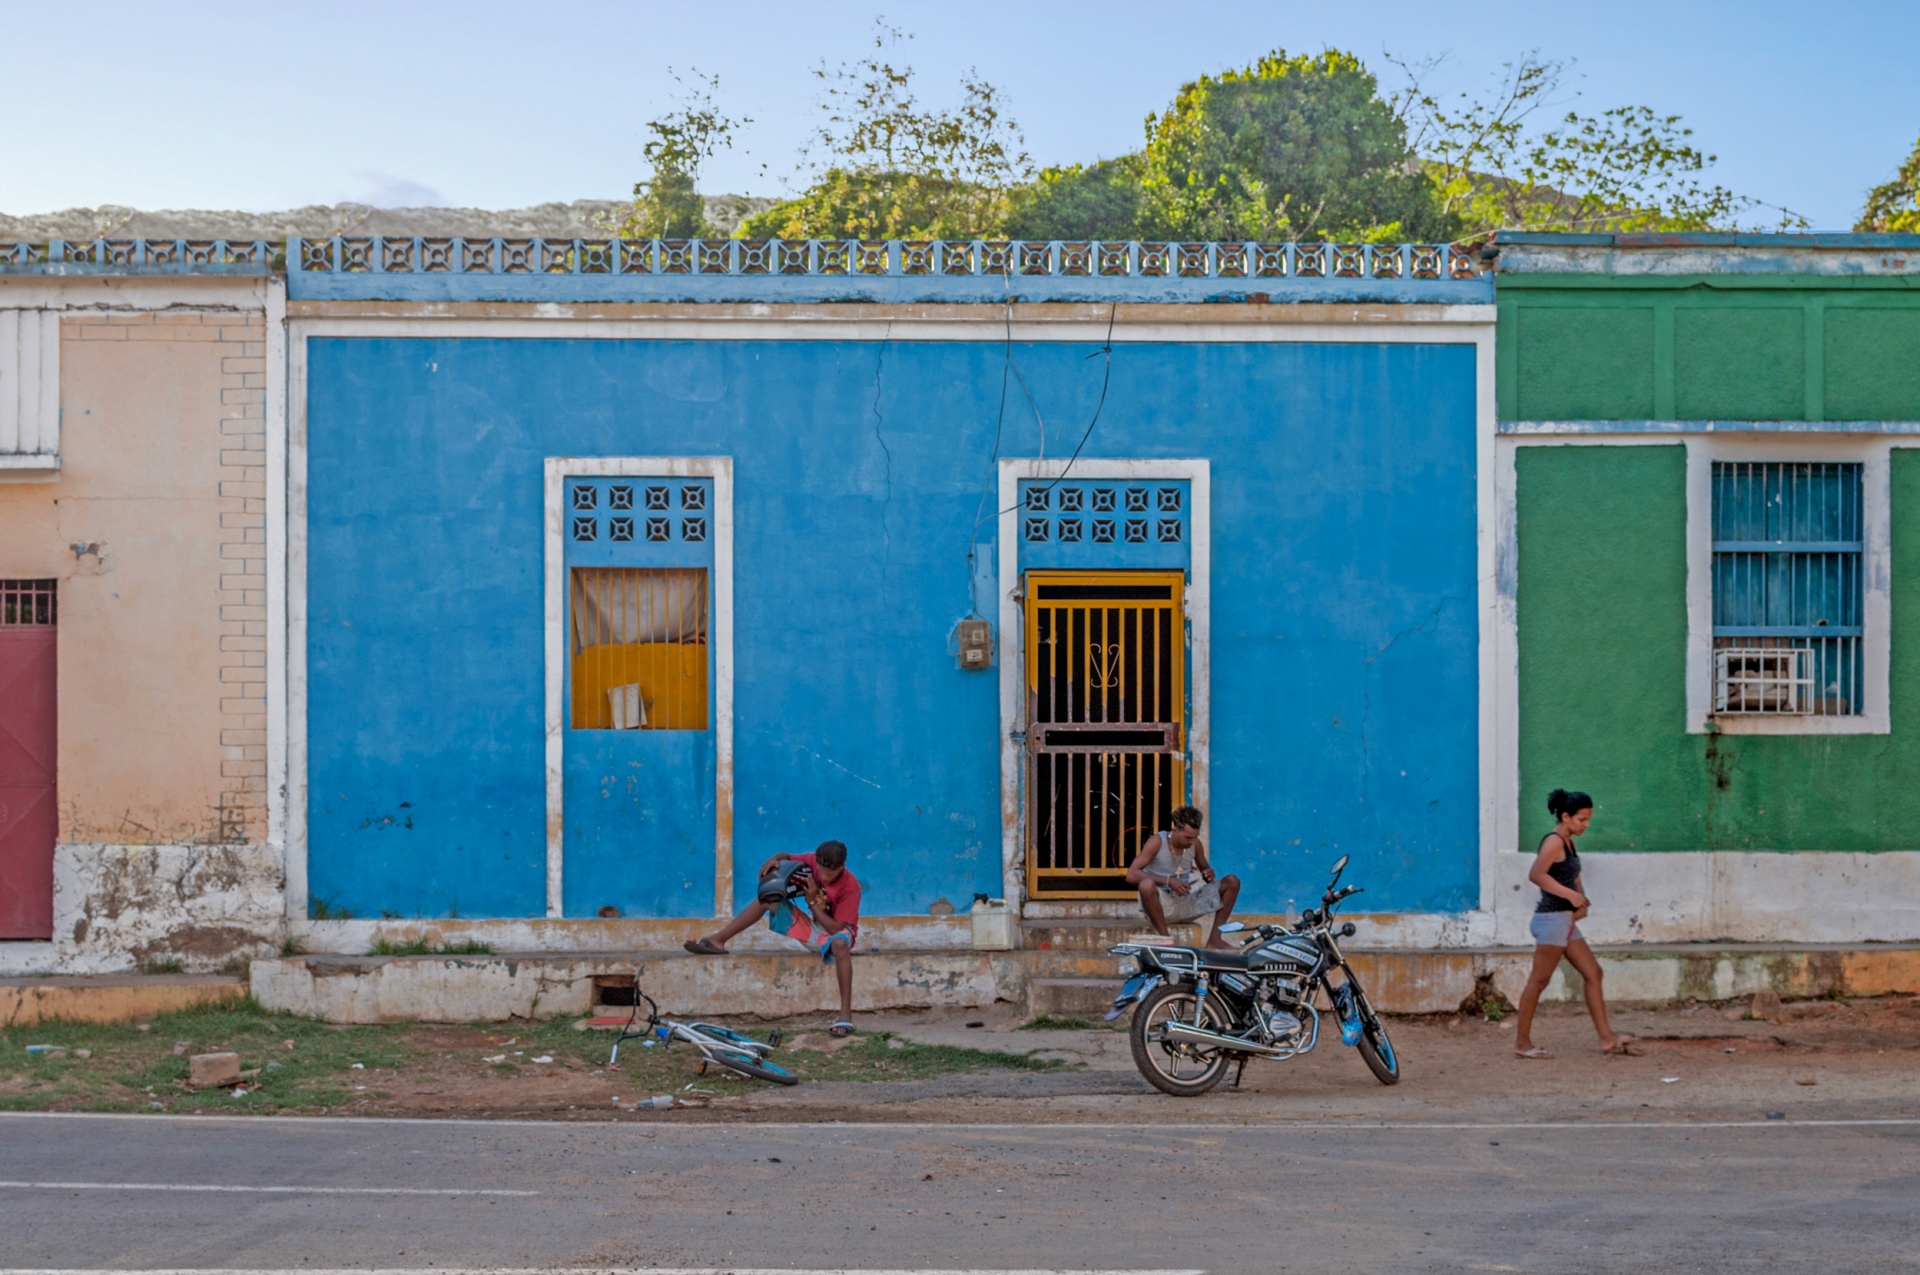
<point x="1010" y="367"/>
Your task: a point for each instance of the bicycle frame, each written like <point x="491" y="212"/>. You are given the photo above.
<point x="706" y="1037"/>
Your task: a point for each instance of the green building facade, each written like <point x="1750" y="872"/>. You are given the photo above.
<point x="1708" y="462"/>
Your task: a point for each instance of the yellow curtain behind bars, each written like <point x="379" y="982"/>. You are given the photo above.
<point x="644" y="627"/>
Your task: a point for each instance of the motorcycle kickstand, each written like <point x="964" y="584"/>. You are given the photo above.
<point x="1238" y="1072"/>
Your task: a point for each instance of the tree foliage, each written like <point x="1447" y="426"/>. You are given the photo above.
<point x="1289" y="148"/>
<point x="894" y="169"/>
<point x="1626" y="169"/>
<point x="668" y="204"/>
<point x="1894" y="207"/>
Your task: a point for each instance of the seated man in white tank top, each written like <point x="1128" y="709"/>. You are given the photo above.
<point x="1175" y="880"/>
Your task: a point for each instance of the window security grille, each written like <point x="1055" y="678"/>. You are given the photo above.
<point x="28" y="602"/>
<point x="1788" y="628"/>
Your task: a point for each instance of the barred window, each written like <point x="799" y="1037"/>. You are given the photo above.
<point x="26" y="603"/>
<point x="1788" y="619"/>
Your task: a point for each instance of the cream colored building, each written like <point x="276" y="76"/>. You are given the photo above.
<point x="134" y="448"/>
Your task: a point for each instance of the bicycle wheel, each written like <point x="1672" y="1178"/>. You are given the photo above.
<point x="759" y="1068"/>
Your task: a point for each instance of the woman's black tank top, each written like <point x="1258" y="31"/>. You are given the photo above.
<point x="1566" y="873"/>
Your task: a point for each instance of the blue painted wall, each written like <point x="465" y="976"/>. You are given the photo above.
<point x="1344" y="675"/>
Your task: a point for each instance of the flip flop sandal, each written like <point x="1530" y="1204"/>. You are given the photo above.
<point x="840" y="1030"/>
<point x="1624" y="1048"/>
<point x="1535" y="1052"/>
<point x="704" y="947"/>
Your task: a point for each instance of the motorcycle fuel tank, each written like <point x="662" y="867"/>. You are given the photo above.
<point x="1290" y="953"/>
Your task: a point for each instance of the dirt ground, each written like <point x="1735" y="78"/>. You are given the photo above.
<point x="1819" y="1059"/>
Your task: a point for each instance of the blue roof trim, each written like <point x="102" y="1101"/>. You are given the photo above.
<point x="893" y="271"/>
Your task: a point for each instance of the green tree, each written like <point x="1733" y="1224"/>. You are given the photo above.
<point x="1093" y="201"/>
<point x="668" y="204"/>
<point x="894" y="169"/>
<point x="1625" y="169"/>
<point x="1291" y="147"/>
<point x="1894" y="207"/>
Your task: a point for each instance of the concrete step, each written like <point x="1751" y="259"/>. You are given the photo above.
<point x="1096" y="934"/>
<point x="366" y="989"/>
<point x="110" y="998"/>
<point x="1088" y="998"/>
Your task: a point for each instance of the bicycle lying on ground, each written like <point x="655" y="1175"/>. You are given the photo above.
<point x="716" y="1044"/>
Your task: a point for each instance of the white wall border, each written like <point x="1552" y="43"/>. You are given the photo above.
<point x="1013" y="636"/>
<point x="276" y="411"/>
<point x="720" y="470"/>
<point x="1873" y="454"/>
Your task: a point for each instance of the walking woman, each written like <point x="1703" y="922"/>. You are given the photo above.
<point x="1555" y="927"/>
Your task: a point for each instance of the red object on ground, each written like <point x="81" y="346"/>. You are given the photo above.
<point x="29" y="818"/>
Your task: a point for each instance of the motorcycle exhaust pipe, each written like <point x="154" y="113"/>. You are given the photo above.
<point x="1200" y="1036"/>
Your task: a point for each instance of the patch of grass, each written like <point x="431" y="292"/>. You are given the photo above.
<point x="384" y="946"/>
<point x="420" y="947"/>
<point x="319" y="909"/>
<point x="132" y="1070"/>
<point x="292" y="945"/>
<point x="1067" y="1023"/>
<point x="136" y="1071"/>
<point x="165" y="963"/>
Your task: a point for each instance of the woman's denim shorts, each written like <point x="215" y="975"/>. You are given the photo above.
<point x="1554" y="929"/>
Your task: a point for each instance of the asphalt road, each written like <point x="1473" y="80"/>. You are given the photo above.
<point x="144" y="1192"/>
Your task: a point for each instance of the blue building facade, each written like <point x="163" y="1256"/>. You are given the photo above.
<point x="762" y="508"/>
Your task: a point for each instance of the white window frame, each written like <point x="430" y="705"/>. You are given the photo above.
<point x="720" y="638"/>
<point x="1873" y="455"/>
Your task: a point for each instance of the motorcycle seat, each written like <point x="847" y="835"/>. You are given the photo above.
<point x="1215" y="959"/>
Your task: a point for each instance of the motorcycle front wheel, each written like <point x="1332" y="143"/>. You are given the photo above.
<point x="1377" y="1051"/>
<point x="1174" y="1067"/>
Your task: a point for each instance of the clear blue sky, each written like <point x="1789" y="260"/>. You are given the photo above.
<point x="262" y="106"/>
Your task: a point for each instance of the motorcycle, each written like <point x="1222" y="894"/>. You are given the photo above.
<point x="1203" y="1010"/>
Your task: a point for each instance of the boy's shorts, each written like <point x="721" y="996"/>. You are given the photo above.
<point x="788" y="920"/>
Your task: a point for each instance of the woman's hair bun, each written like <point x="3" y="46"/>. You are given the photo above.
<point x="1561" y="802"/>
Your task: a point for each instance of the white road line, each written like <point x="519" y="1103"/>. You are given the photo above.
<point x="262" y="1190"/>
<point x="928" y="1126"/>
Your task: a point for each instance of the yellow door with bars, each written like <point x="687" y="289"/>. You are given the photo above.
<point x="1106" y="658"/>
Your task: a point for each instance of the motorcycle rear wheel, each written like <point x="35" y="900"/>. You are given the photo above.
<point x="1184" y="1071"/>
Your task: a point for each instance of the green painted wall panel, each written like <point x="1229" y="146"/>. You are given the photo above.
<point x="1706" y="347"/>
<point x="1739" y="364"/>
<point x="1602" y="632"/>
<point x="1873" y="364"/>
<point x="1585" y="362"/>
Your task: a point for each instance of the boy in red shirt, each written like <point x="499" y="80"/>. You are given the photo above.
<point x="830" y="923"/>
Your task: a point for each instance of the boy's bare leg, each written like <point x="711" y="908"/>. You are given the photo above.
<point x="1150" y="904"/>
<point x="745" y="917"/>
<point x="843" y="971"/>
<point x="1229" y="893"/>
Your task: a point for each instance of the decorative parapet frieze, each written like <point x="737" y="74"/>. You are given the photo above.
<point x="979" y="270"/>
<point x="815" y="270"/>
<point x="139" y="256"/>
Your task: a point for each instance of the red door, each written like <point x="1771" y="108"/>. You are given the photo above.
<point x="29" y="822"/>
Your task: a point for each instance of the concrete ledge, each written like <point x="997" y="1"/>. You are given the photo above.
<point x="113" y="998"/>
<point x="371" y="989"/>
